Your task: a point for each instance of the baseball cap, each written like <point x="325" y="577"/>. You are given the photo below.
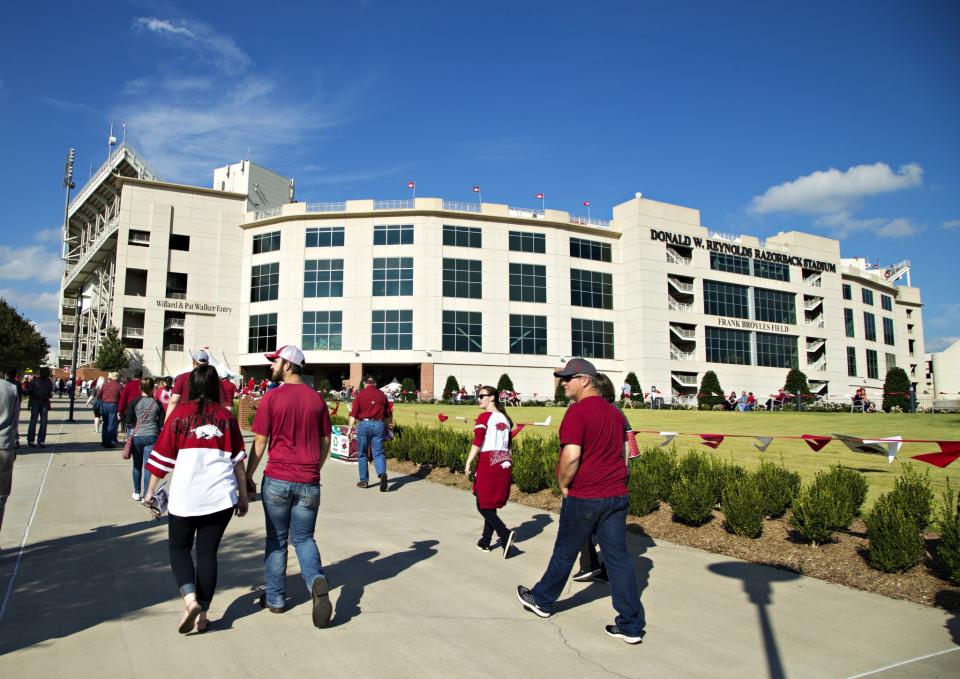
<point x="576" y="366"/>
<point x="288" y="352"/>
<point x="200" y="356"/>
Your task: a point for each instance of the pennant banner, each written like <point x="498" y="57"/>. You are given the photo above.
<point x="442" y="417"/>
<point x="763" y="442"/>
<point x="816" y="442"/>
<point x="712" y="440"/>
<point x="668" y="436"/>
<point x="949" y="452"/>
<point x="516" y="429"/>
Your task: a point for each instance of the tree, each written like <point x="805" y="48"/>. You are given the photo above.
<point x="450" y="388"/>
<point x="797" y="384"/>
<point x="504" y="383"/>
<point x="408" y="390"/>
<point x="634" y="383"/>
<point x="23" y="346"/>
<point x="111" y="356"/>
<point x="710" y="393"/>
<point x="896" y="390"/>
<point x="560" y="395"/>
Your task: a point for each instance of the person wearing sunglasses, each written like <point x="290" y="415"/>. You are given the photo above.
<point x="593" y="482"/>
<point x="491" y="484"/>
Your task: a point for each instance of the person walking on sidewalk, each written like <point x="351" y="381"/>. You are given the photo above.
<point x="592" y="473"/>
<point x="179" y="393"/>
<point x="40" y="391"/>
<point x="491" y="484"/>
<point x="203" y="442"/>
<point x="12" y="378"/>
<point x="9" y="406"/>
<point x="109" y="399"/>
<point x="144" y="418"/>
<point x="371" y="409"/>
<point x="292" y="426"/>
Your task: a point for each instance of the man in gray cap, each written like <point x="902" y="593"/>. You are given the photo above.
<point x="593" y="481"/>
<point x="181" y="386"/>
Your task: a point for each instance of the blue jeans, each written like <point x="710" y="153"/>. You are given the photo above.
<point x="139" y="451"/>
<point x="606" y="519"/>
<point x="371" y="430"/>
<point x="38" y="411"/>
<point x="290" y="512"/>
<point x="108" y="434"/>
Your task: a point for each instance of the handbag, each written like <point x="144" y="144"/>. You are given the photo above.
<point x="128" y="444"/>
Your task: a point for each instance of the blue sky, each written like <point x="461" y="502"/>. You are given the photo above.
<point x="835" y="118"/>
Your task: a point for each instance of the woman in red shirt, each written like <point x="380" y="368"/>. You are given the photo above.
<point x="491" y="485"/>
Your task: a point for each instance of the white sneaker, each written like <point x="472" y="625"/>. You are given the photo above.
<point x="135" y="497"/>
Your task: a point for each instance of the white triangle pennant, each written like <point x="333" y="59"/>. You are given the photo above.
<point x="763" y="442"/>
<point x="893" y="447"/>
<point x="668" y="436"/>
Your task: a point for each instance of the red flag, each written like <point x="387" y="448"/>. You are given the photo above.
<point x="441" y="417"/>
<point x="712" y="440"/>
<point x="476" y="189"/>
<point x="950" y="451"/>
<point x="335" y="409"/>
<point x="517" y="429"/>
<point x="586" y="203"/>
<point x="411" y="185"/>
<point x="816" y="442"/>
<point x="539" y="196"/>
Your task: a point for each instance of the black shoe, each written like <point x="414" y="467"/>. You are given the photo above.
<point x="322" y="610"/>
<point x="383" y="483"/>
<point x="586" y="576"/>
<point x="602" y="576"/>
<point x="362" y="484"/>
<point x="618" y="633"/>
<point x="509" y="543"/>
<point x="31" y="445"/>
<point x="484" y="546"/>
<point x="526" y="598"/>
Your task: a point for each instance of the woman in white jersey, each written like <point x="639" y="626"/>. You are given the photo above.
<point x="491" y="485"/>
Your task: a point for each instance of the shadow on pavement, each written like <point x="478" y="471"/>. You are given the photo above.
<point x="532" y="528"/>
<point x="757" y="583"/>
<point x="948" y="600"/>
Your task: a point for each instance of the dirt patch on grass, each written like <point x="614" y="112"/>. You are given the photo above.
<point x="843" y="562"/>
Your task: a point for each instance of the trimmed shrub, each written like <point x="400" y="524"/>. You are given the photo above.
<point x="710" y="393"/>
<point x="778" y="487"/>
<point x="914" y="494"/>
<point x="408" y="390"/>
<point x="896" y="390"/>
<point x="661" y="466"/>
<point x="528" y="468"/>
<point x="816" y="513"/>
<point x="692" y="463"/>
<point x="948" y="522"/>
<point x="796" y="383"/>
<point x="504" y="383"/>
<point x="324" y="385"/>
<point x="635" y="391"/>
<point x="560" y="395"/>
<point x="849" y="489"/>
<point x="722" y="474"/>
<point x="743" y="507"/>
<point x="692" y="498"/>
<point x="450" y="388"/>
<point x="643" y="492"/>
<point x="895" y="541"/>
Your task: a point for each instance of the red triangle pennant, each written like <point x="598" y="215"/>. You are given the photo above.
<point x="441" y="417"/>
<point x="816" y="442"/>
<point x="712" y="440"/>
<point x="949" y="452"/>
<point x="517" y="428"/>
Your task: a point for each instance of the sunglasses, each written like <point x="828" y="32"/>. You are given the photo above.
<point x="565" y="380"/>
<point x="485" y="395"/>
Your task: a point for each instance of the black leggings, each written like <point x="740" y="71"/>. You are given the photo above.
<point x="208" y="530"/>
<point x="492" y="524"/>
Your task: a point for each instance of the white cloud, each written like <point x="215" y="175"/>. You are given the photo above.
<point x="220" y="49"/>
<point x="32" y="300"/>
<point x="30" y="263"/>
<point x="939" y="343"/>
<point x="952" y="224"/>
<point x="945" y="315"/>
<point x="68" y="106"/>
<point x="51" y="331"/>
<point x="51" y="235"/>
<point x="162" y="26"/>
<point x="832" y="191"/>
<point x="843" y="224"/>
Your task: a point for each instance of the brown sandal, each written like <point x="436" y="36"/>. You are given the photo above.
<point x="193" y="611"/>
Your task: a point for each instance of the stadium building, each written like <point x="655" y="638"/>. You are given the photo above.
<point x="426" y="288"/>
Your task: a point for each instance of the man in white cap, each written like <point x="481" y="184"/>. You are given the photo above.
<point x="592" y="472"/>
<point x="293" y="424"/>
<point x="181" y="386"/>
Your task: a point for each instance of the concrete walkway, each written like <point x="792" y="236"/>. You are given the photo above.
<point x="87" y="592"/>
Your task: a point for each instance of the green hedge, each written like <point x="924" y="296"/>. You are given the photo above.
<point x="895" y="540"/>
<point x="743" y="507"/>
<point x="829" y="503"/>
<point x="948" y="521"/>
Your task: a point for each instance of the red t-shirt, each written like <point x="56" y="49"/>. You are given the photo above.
<point x="597" y="427"/>
<point x="130" y="392"/>
<point x="294" y="417"/>
<point x="227" y="390"/>
<point x="181" y="388"/>
<point x="369" y="404"/>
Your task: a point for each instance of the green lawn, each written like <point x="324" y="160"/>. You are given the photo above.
<point x="796" y="455"/>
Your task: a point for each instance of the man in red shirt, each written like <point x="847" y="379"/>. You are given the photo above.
<point x="293" y="420"/>
<point x="370" y="407"/>
<point x="131" y="392"/>
<point x="227" y="391"/>
<point x="593" y="481"/>
<point x="181" y="386"/>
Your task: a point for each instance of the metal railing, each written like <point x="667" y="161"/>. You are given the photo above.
<point x="814" y="322"/>
<point x="686" y="380"/>
<point x="66" y="355"/>
<point x="683" y="398"/>
<point x="95" y="178"/>
<point x="720" y="235"/>
<point x="678" y="355"/>
<point x="176" y="295"/>
<point x="812" y="303"/>
<point x="327" y="207"/>
<point x="686" y="333"/>
<point x="584" y="221"/>
<point x="133" y="332"/>
<point x="815" y="345"/>
<point x="674" y="258"/>
<point x="461" y="206"/>
<point x="393" y="204"/>
<point x="173" y="347"/>
<point x="680" y="306"/>
<point x="266" y="214"/>
<point x="819" y="365"/>
<point x="177" y="323"/>
<point x="815" y="281"/>
<point x="680" y="285"/>
<point x="93" y="247"/>
<point x="525" y="212"/>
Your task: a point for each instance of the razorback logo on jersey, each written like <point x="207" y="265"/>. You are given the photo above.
<point x="207" y="431"/>
<point x="502" y="426"/>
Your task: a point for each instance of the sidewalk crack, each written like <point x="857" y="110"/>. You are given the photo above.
<point x="581" y="656"/>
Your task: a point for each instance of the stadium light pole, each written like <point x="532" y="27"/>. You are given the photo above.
<point x="68" y="185"/>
